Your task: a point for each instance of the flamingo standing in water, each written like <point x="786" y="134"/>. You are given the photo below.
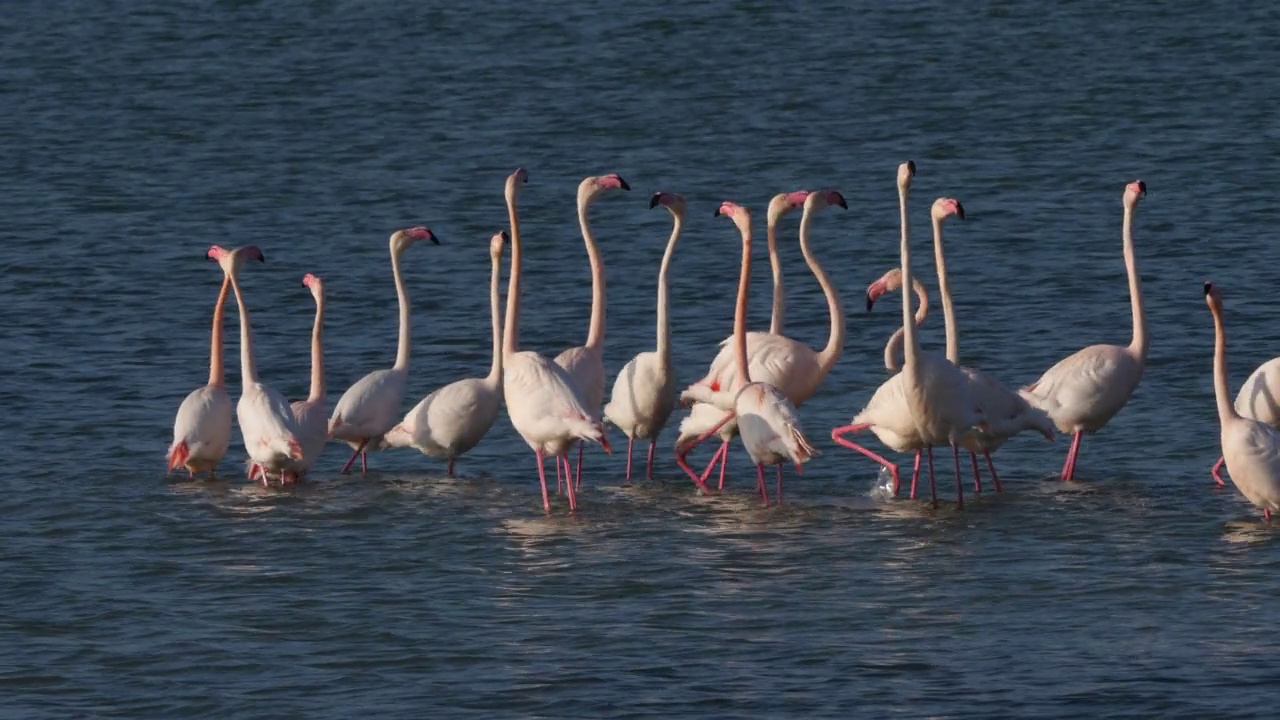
<point x="452" y="420"/>
<point x="929" y="402"/>
<point x="585" y="363"/>
<point x="542" y="400"/>
<point x="1258" y="400"/>
<point x="312" y="414"/>
<point x="266" y="423"/>
<point x="791" y="366"/>
<point x="202" y="428"/>
<point x="1082" y="392"/>
<point x="1251" y="447"/>
<point x="368" y="409"/>
<point x="644" y="393"/>
<point x="767" y="420"/>
<point x="705" y="415"/>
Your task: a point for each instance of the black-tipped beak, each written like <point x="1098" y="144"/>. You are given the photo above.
<point x="871" y="302"/>
<point x="623" y="183"/>
<point x="262" y="258"/>
<point x="959" y="211"/>
<point x="911" y="167"/>
<point x="1208" y="287"/>
<point x="1142" y="188"/>
<point x="653" y="201"/>
<point x="432" y="237"/>
<point x="505" y="236"/>
<point x="716" y="213"/>
<point x="840" y="201"/>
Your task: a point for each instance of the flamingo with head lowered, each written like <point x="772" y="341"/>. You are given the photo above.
<point x="452" y="420"/>
<point x="1083" y="391"/>
<point x="585" y="363"/>
<point x="371" y="407"/>
<point x="644" y="393"/>
<point x="542" y="400"/>
<point x="202" y="428"/>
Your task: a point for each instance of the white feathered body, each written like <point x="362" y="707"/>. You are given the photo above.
<point x="585" y="368"/>
<point x="1252" y="452"/>
<point x="770" y="426"/>
<point x="312" y="420"/>
<point x="643" y="396"/>
<point x="1082" y="392"/>
<point x="450" y="421"/>
<point x="543" y="404"/>
<point x="204" y="424"/>
<point x="268" y="429"/>
<point x="369" y="408"/>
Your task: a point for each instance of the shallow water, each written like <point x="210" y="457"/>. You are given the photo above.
<point x="135" y="136"/>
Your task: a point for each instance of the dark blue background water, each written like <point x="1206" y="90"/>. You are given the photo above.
<point x="133" y="135"/>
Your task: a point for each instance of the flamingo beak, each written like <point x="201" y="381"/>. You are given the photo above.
<point x="874" y="291"/>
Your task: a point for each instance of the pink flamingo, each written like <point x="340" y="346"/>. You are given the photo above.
<point x="644" y="393"/>
<point x="1258" y="400"/>
<point x="1251" y="447"/>
<point x="585" y="363"/>
<point x="371" y="407"/>
<point x="542" y="401"/>
<point x="1083" y="391"/>
<point x="311" y="414"/>
<point x="202" y="428"/>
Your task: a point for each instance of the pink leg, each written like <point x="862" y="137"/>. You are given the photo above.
<point x="720" y="454"/>
<point x="933" y="488"/>
<point x="779" y="466"/>
<point x="724" y="462"/>
<point x="569" y="486"/>
<point x="1069" y="469"/>
<point x="542" y="478"/>
<point x="837" y="435"/>
<point x="630" y="441"/>
<point x="359" y="450"/>
<point x="577" y="476"/>
<point x="977" y="479"/>
<point x="995" y="479"/>
<point x="764" y="489"/>
<point x="1214" y="472"/>
<point x="955" y="453"/>
<point x="653" y="444"/>
<point x="682" y="452"/>
<point x="364" y="463"/>
<point x="559" y="477"/>
<point x="1266" y="514"/>
<point x="915" y="474"/>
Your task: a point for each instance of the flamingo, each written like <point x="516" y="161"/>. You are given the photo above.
<point x="368" y="409"/>
<point x="202" y="428"/>
<point x="791" y="366"/>
<point x="644" y="393"/>
<point x="1257" y="401"/>
<point x="1082" y="392"/>
<point x="891" y="281"/>
<point x="452" y="420"/>
<point x="1251" y="447"/>
<point x="705" y="415"/>
<point x="266" y="423"/>
<point x="311" y="414"/>
<point x="929" y="402"/>
<point x="585" y="363"/>
<point x="767" y="420"/>
<point x="542" y="400"/>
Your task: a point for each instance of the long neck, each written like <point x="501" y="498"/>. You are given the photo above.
<point x="911" y="345"/>
<point x="779" y="290"/>
<point x="317" y="352"/>
<point x="894" y="346"/>
<point x="664" y="324"/>
<point x="495" y="314"/>
<point x="402" y="349"/>
<point x="248" y="371"/>
<point x="1221" y="392"/>
<point x="1139" y="344"/>
<point x="835" y="339"/>
<point x="511" y="333"/>
<point x="216" y="375"/>
<point x="740" y="313"/>
<point x="944" y="290"/>
<point x="595" y="333"/>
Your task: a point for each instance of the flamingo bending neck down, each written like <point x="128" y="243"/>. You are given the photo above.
<point x="1082" y="392"/>
<point x="266" y="422"/>
<point x="542" y="401"/>
<point x="767" y="421"/>
<point x="794" y="368"/>
<point x="369" y="408"/>
<point x="585" y="363"/>
<point x="202" y="427"/>
<point x="453" y="419"/>
<point x="1251" y="447"/>
<point x="644" y="393"/>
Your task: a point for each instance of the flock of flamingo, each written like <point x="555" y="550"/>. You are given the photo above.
<point x="752" y="389"/>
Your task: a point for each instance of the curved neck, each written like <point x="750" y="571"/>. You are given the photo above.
<point x="595" y="332"/>
<point x="402" y="349"/>
<point x="1221" y="391"/>
<point x="894" y="346"/>
<point x="1139" y="344"/>
<point x="911" y="344"/>
<point x="317" y="352"/>
<point x="779" y="290"/>
<point x="216" y="375"/>
<point x="495" y="318"/>
<point x="740" y="312"/>
<point x="944" y="292"/>
<point x="511" y="332"/>
<point x="835" y="338"/>
<point x="248" y="371"/>
<point x="664" y="324"/>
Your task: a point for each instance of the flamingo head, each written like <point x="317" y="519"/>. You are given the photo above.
<point x="232" y="260"/>
<point x="671" y="201"/>
<point x="515" y="180"/>
<point x="906" y="171"/>
<point x="888" y="282"/>
<point x="824" y="198"/>
<point x="593" y="187"/>
<point x="496" y="242"/>
<point x="402" y="239"/>
<point x="1133" y="192"/>
<point x="783" y="203"/>
<point x="1213" y="296"/>
<point x="735" y="212"/>
<point x="315" y="284"/>
<point x="945" y="207"/>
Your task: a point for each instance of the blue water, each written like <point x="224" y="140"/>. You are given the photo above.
<point x="133" y="135"/>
